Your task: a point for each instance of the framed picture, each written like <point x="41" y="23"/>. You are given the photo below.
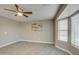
<point x="36" y="26"/>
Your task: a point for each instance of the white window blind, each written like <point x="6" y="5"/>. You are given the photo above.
<point x="75" y="30"/>
<point x="63" y="30"/>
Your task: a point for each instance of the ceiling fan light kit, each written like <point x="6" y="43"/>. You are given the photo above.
<point x="20" y="14"/>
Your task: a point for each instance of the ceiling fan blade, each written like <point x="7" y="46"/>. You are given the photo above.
<point x="27" y="12"/>
<point x="25" y="15"/>
<point x="10" y="10"/>
<point x="17" y="7"/>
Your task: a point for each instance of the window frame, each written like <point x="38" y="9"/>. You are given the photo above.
<point x="73" y="44"/>
<point x="62" y="29"/>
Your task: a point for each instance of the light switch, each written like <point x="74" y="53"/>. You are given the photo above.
<point x="5" y="33"/>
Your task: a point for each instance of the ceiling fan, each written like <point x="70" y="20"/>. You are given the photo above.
<point x="19" y="11"/>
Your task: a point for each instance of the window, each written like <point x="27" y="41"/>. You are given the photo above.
<point x="75" y="30"/>
<point x="63" y="30"/>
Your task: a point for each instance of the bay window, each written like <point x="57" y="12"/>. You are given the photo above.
<point x="75" y="30"/>
<point x="63" y="30"/>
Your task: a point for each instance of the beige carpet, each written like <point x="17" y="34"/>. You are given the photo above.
<point x="27" y="48"/>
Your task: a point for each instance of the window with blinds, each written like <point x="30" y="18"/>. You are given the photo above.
<point x="63" y="30"/>
<point x="75" y="30"/>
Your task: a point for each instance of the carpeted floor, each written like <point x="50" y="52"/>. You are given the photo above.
<point x="27" y="48"/>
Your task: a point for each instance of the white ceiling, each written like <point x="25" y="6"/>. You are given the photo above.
<point x="40" y="11"/>
<point x="69" y="10"/>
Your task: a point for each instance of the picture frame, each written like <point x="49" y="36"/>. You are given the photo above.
<point x="36" y="27"/>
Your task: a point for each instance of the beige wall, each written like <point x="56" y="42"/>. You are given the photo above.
<point x="9" y="31"/>
<point x="12" y="31"/>
<point x="43" y="36"/>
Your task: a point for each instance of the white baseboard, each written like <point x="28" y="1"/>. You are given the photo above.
<point x="9" y="43"/>
<point x="38" y="41"/>
<point x="64" y="50"/>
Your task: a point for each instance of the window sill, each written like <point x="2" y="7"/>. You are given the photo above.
<point x="62" y="41"/>
<point x="75" y="46"/>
